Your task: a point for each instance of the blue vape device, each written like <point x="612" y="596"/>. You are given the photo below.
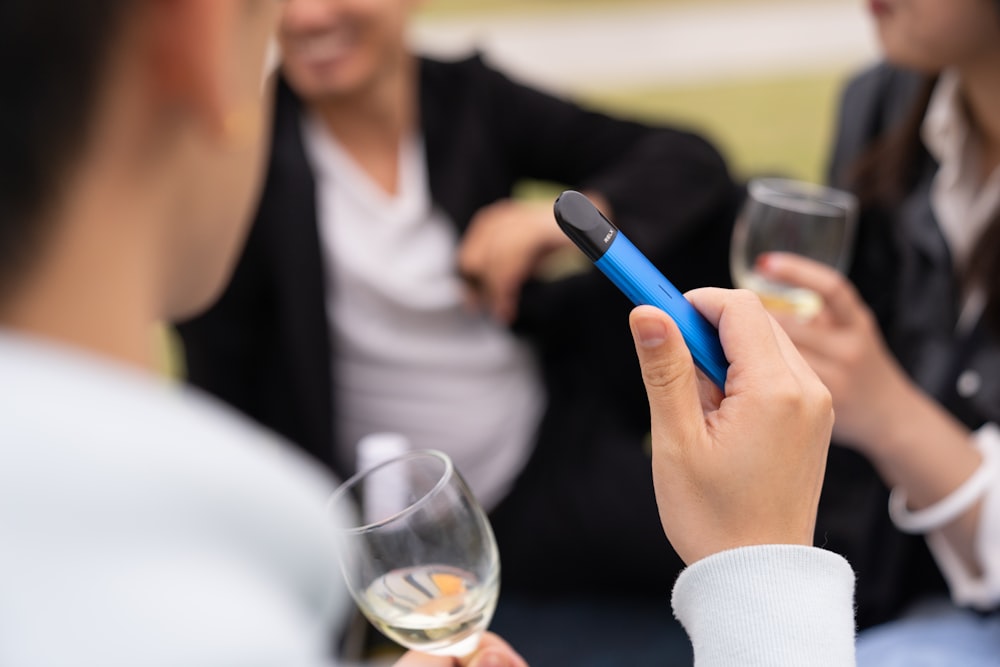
<point x="641" y="282"/>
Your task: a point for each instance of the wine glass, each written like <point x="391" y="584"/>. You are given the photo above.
<point x="791" y="216"/>
<point x="420" y="560"/>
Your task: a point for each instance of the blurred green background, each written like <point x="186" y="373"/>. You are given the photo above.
<point x="780" y="124"/>
<point x="770" y="123"/>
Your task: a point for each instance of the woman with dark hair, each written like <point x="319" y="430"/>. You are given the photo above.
<point x="911" y="349"/>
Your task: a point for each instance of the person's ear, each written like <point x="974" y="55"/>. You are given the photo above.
<point x="187" y="42"/>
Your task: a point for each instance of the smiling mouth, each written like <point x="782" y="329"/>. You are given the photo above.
<point x="322" y="49"/>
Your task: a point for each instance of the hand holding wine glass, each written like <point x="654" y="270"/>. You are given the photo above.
<point x="421" y="560"/>
<point x="872" y="394"/>
<point x="782" y="215"/>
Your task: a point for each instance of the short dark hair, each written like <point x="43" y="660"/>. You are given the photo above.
<point x="52" y="54"/>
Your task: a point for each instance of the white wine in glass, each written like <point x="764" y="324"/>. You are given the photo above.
<point x="783" y="215"/>
<point x="432" y="608"/>
<point x="424" y="568"/>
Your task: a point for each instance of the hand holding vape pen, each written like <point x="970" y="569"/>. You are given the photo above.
<point x="641" y="282"/>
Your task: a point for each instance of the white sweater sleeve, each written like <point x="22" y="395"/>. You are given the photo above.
<point x="769" y="605"/>
<point x="968" y="589"/>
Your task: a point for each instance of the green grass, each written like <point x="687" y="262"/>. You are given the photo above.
<point x="769" y="126"/>
<point x="775" y="124"/>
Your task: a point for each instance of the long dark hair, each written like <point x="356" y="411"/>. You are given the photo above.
<point x="52" y="53"/>
<point x="891" y="168"/>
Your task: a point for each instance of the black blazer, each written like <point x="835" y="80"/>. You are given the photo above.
<point x="902" y="267"/>
<point x="582" y="514"/>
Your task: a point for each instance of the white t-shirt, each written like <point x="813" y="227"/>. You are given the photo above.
<point x="144" y="524"/>
<point x="411" y="358"/>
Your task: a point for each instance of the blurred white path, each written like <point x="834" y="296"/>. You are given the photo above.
<point x="650" y="45"/>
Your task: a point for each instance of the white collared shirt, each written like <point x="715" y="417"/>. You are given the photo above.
<point x="964" y="203"/>
<point x="411" y="357"/>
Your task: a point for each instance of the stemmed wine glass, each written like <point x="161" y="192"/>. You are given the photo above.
<point x="420" y="559"/>
<point x="791" y="216"/>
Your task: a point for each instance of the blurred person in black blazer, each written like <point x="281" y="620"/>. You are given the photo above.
<point x="391" y="283"/>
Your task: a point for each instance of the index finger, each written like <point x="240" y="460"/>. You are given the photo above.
<point x="746" y="330"/>
<point x="471" y="251"/>
<point x="830" y="284"/>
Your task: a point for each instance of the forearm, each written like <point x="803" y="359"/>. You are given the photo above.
<point x="927" y="454"/>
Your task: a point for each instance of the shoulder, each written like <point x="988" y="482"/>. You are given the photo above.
<point x="472" y="66"/>
<point x="881" y="88"/>
<point x="126" y="447"/>
<point x="471" y="75"/>
<point x="872" y="101"/>
<point x="147" y="513"/>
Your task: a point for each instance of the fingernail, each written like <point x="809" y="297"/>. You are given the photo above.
<point x="769" y="261"/>
<point x="650" y="332"/>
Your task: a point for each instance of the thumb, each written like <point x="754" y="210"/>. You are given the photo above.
<point x="667" y="371"/>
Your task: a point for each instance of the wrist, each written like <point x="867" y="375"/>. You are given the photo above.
<point x="948" y="508"/>
<point x="923" y="450"/>
<point x="898" y="421"/>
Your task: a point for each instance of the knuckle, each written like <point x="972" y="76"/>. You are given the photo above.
<point x="816" y="403"/>
<point x="822" y="399"/>
<point x="867" y="321"/>
<point x="853" y="352"/>
<point x="834" y="283"/>
<point x="664" y="374"/>
<point x="787" y="396"/>
<point x="744" y="296"/>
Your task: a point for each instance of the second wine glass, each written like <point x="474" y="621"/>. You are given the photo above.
<point x="420" y="560"/>
<point x="784" y="215"/>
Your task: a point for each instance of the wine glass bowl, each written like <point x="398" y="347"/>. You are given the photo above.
<point x="785" y="215"/>
<point x="420" y="560"/>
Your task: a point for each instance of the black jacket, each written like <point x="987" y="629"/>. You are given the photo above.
<point x="582" y="515"/>
<point x="902" y="267"/>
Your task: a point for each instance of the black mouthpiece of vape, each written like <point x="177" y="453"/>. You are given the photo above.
<point x="584" y="224"/>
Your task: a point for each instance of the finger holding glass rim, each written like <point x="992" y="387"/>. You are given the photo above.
<point x="790" y="216"/>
